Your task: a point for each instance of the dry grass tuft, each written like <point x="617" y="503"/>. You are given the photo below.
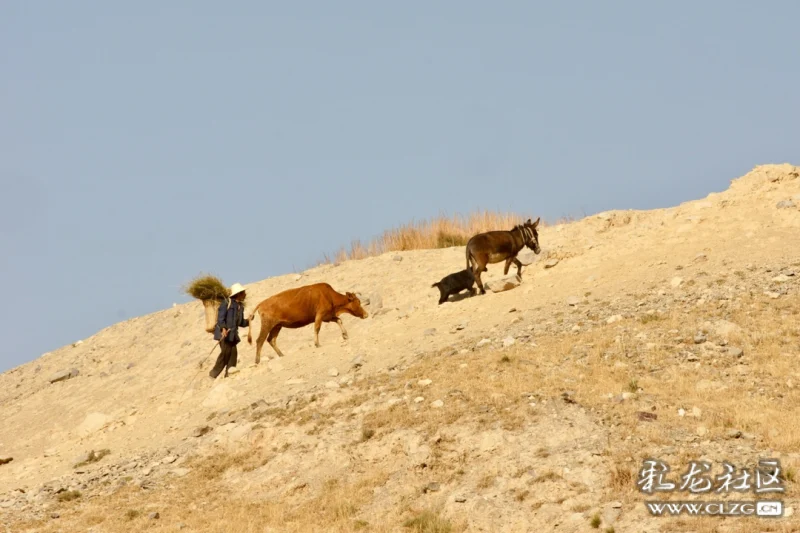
<point x="437" y="232"/>
<point x="429" y="522"/>
<point x="207" y="287"/>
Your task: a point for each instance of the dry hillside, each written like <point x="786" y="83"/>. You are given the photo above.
<point x="672" y="334"/>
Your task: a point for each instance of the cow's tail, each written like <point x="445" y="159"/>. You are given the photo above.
<point x="435" y="285"/>
<point x="250" y="326"/>
<point x="468" y="254"/>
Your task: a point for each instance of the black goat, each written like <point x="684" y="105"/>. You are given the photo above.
<point x="455" y="283"/>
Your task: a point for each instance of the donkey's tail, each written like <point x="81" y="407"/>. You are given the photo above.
<point x="250" y="326"/>
<point x="435" y="285"/>
<point x="468" y="257"/>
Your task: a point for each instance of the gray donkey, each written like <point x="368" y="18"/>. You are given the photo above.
<point x="495" y="246"/>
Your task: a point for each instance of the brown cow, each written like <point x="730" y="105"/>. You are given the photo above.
<point x="495" y="246"/>
<point x="295" y="308"/>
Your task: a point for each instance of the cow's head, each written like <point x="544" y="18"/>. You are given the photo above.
<point x="353" y="306"/>
<point x="532" y="235"/>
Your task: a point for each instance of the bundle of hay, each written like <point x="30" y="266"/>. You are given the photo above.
<point x="211" y="291"/>
<point x="207" y="287"/>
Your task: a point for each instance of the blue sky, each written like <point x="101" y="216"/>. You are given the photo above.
<point x="144" y="142"/>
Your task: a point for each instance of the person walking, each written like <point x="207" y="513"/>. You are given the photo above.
<point x="230" y="318"/>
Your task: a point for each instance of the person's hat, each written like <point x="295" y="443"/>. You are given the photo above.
<point x="236" y="288"/>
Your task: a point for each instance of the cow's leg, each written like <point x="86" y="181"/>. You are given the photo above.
<point x="341" y="326"/>
<point x="273" y="339"/>
<point x="262" y="336"/>
<point x="317" y="325"/>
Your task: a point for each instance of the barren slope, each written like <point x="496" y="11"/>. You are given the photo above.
<point x="139" y="392"/>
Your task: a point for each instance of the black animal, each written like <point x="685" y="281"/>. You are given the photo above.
<point x="455" y="283"/>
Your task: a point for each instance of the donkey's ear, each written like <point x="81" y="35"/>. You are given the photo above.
<point x="528" y="222"/>
<point x="536" y="224"/>
<point x="351" y="296"/>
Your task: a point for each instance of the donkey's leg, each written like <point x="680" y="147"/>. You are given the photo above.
<point x="273" y="340"/>
<point x="341" y="326"/>
<point x="519" y="266"/>
<point x="480" y="267"/>
<point x="507" y="266"/>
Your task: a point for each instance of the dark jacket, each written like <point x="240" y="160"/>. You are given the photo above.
<point x="231" y="316"/>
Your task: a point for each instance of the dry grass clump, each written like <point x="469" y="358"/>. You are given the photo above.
<point x="437" y="232"/>
<point x="428" y="522"/>
<point x="207" y="287"/>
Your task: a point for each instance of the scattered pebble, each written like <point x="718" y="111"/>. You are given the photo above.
<point x="432" y="487"/>
<point x="735" y="352"/>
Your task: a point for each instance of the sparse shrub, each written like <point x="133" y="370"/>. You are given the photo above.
<point x="595" y="521"/>
<point x="360" y="524"/>
<point x="610" y="529"/>
<point x="132" y="514"/>
<point x="68" y="496"/>
<point x="367" y="433"/>
<point x="647" y="318"/>
<point x="547" y="476"/>
<point x="633" y="385"/>
<point x="542" y="453"/>
<point x="505" y="359"/>
<point x="621" y="478"/>
<point x="428" y="522"/>
<point x="521" y="495"/>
